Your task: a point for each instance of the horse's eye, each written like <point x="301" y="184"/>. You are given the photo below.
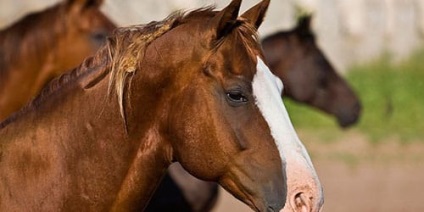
<point x="99" y="37"/>
<point x="236" y="97"/>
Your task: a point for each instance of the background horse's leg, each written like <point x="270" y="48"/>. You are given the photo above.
<point x="188" y="193"/>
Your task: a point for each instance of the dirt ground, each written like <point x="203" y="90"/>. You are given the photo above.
<point x="360" y="176"/>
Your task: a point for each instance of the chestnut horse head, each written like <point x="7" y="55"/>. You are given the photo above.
<point x="192" y="88"/>
<point x="45" y="44"/>
<point x="308" y="76"/>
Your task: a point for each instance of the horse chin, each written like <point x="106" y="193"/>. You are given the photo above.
<point x="239" y="193"/>
<point x="262" y="207"/>
<point x="346" y="122"/>
<point x="256" y="204"/>
<point x="259" y="199"/>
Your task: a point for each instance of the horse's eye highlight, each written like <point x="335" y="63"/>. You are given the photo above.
<point x="236" y="97"/>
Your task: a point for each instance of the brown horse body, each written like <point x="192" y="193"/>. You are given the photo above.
<point x="44" y="45"/>
<point x="191" y="89"/>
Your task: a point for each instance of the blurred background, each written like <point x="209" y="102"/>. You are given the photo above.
<point x="377" y="46"/>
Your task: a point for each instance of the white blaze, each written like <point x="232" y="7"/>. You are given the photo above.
<point x="267" y="90"/>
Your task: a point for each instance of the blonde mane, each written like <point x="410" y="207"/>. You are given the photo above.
<point x="126" y="50"/>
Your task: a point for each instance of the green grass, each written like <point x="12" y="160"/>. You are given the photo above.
<point x="313" y="121"/>
<point x="392" y="97"/>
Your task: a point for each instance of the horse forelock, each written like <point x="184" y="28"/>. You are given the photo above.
<point x="243" y="32"/>
<point x="249" y="37"/>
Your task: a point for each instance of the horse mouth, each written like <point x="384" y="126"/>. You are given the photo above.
<point x="346" y="121"/>
<point x="348" y="118"/>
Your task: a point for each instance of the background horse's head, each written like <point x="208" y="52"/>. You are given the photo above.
<point x="85" y="29"/>
<point x="307" y="74"/>
<point x="219" y="105"/>
<point x="44" y="45"/>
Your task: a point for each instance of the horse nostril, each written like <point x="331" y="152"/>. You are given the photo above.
<point x="270" y="209"/>
<point x="302" y="203"/>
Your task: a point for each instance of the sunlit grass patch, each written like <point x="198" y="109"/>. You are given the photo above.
<point x="392" y="98"/>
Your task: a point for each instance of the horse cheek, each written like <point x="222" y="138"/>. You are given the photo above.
<point x="193" y="120"/>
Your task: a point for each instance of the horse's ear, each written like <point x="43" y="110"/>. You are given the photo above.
<point x="256" y="14"/>
<point x="78" y="5"/>
<point x="304" y="24"/>
<point x="225" y="20"/>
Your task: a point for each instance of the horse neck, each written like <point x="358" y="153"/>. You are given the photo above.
<point x="143" y="121"/>
<point x="138" y="158"/>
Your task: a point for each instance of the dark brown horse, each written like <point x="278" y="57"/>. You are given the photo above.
<point x="192" y="88"/>
<point x="307" y="75"/>
<point x="45" y="44"/>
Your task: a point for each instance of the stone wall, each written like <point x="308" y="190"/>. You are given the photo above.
<point x="349" y="31"/>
